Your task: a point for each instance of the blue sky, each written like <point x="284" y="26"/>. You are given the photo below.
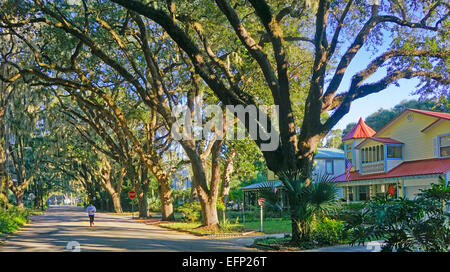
<point x="385" y="99"/>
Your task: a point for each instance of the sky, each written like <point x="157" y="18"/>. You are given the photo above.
<point x="385" y="99"/>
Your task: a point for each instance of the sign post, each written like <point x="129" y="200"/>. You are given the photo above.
<point x="132" y="195"/>
<point x="261" y="202"/>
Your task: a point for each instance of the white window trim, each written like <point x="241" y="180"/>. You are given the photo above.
<point x="438" y="144"/>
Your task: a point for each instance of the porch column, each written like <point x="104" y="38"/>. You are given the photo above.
<point x="348" y="193"/>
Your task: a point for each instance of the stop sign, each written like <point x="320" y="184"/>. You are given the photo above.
<point x="131" y="194"/>
<point x="261" y="202"/>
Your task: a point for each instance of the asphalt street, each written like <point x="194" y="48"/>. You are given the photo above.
<point x="67" y="229"/>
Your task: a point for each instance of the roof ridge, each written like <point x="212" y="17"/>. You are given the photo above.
<point x="360" y="130"/>
<point x="432" y="113"/>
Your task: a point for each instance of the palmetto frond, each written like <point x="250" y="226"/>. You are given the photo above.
<point x="268" y="190"/>
<point x="322" y="196"/>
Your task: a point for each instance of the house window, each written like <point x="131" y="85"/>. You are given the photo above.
<point x="394" y="151"/>
<point x="444" y="146"/>
<point x="329" y="167"/>
<point x="363" y="193"/>
<point x="350" y="193"/>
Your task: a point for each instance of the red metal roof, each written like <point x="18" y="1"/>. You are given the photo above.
<point x="432" y="113"/>
<point x="408" y="168"/>
<point x="361" y="130"/>
<point x="381" y="140"/>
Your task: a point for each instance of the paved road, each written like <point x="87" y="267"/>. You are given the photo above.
<point x="64" y="228"/>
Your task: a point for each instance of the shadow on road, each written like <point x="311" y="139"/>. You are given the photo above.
<point x="61" y="226"/>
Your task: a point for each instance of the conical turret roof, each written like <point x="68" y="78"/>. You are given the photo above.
<point x="361" y="130"/>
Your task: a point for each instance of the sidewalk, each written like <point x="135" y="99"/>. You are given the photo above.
<point x="374" y="246"/>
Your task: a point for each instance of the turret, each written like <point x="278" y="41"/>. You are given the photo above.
<point x="358" y="133"/>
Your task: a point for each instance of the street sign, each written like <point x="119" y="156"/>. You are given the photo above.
<point x="261" y="201"/>
<point x="132" y="194"/>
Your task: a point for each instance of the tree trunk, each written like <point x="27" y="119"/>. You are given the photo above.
<point x="116" y="202"/>
<point x="301" y="231"/>
<point x="209" y="213"/>
<point x="142" y="206"/>
<point x="165" y="195"/>
<point x="207" y="196"/>
<point x="305" y="159"/>
<point x="141" y="192"/>
<point x="113" y="191"/>
<point x="226" y="178"/>
<point x="19" y="199"/>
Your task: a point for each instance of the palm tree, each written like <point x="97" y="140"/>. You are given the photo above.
<point x="307" y="201"/>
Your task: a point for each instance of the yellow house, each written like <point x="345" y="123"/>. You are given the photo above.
<point x="408" y="154"/>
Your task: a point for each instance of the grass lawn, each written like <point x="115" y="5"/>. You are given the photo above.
<point x="192" y="227"/>
<point x="271" y="226"/>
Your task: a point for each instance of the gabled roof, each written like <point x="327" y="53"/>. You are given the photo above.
<point x="408" y="168"/>
<point x="329" y="153"/>
<point x="361" y="130"/>
<point x="439" y="115"/>
<point x="442" y="115"/>
<point x="381" y="140"/>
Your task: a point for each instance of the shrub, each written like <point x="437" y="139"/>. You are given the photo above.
<point x="191" y="211"/>
<point x="12" y="219"/>
<point x="329" y="231"/>
<point x="406" y="225"/>
<point x="225" y="225"/>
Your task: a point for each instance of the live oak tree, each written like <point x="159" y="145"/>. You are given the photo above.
<point x="6" y="90"/>
<point x="336" y="31"/>
<point x="405" y="57"/>
<point x="131" y="144"/>
<point x="159" y="84"/>
<point x="26" y="138"/>
<point x="85" y="70"/>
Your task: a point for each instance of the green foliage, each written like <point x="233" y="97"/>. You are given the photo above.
<point x="308" y="201"/>
<point x="190" y="211"/>
<point x="421" y="224"/>
<point x="324" y="232"/>
<point x="154" y="204"/>
<point x="226" y="225"/>
<point x="329" y="231"/>
<point x="220" y="205"/>
<point x="334" y="139"/>
<point x="12" y="219"/>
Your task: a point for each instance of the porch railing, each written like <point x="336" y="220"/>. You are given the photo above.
<point x="372" y="167"/>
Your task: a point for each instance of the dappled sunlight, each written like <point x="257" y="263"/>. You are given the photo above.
<point x="60" y="225"/>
